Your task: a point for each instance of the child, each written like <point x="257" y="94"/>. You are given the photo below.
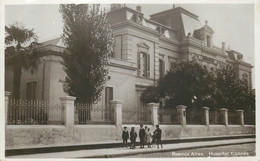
<point x="154" y="138"/>
<point x="133" y="136"/>
<point x="148" y="138"/>
<point x="125" y="137"/>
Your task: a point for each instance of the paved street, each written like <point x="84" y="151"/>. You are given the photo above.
<point x="241" y="150"/>
<point x="245" y="146"/>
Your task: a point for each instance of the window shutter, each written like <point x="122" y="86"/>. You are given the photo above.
<point x="148" y="65"/>
<point x="138" y="63"/>
<point x="163" y="68"/>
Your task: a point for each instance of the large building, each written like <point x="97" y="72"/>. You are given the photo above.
<point x="145" y="50"/>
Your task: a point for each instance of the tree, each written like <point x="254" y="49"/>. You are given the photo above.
<point x="188" y="82"/>
<point x="17" y="55"/>
<point x="89" y="42"/>
<point x="194" y="86"/>
<point x="231" y="91"/>
<point x="151" y="94"/>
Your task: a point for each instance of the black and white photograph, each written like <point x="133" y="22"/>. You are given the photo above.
<point x="86" y="80"/>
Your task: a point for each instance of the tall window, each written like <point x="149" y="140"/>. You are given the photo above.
<point x="31" y="90"/>
<point x="108" y="98"/>
<point x="117" y="50"/>
<point x="172" y="64"/>
<point x="208" y="41"/>
<point x="245" y="78"/>
<point x="143" y="64"/>
<point x="108" y="95"/>
<point x="161" y="68"/>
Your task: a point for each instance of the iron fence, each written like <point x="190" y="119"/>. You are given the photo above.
<point x="195" y="117"/>
<point x="233" y="118"/>
<point x="249" y="117"/>
<point x="136" y="115"/>
<point x="168" y="116"/>
<point x="93" y="114"/>
<point x="215" y="117"/>
<point x="25" y="112"/>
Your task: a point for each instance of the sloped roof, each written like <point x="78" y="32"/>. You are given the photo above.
<point x="56" y="42"/>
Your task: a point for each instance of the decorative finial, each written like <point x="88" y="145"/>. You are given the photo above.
<point x="206" y="22"/>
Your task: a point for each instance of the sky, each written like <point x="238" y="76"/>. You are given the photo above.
<point x="232" y="23"/>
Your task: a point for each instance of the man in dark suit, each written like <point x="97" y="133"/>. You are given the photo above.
<point x="125" y="136"/>
<point x="158" y="136"/>
<point x="141" y="136"/>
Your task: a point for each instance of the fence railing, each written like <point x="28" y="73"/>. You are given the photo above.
<point x="94" y="114"/>
<point x="68" y="113"/>
<point x="215" y="117"/>
<point x="233" y="118"/>
<point x="136" y="115"/>
<point x="195" y="117"/>
<point x="25" y="112"/>
<point x="168" y="116"/>
<point x="249" y="117"/>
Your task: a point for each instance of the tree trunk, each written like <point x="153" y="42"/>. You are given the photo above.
<point x="17" y="82"/>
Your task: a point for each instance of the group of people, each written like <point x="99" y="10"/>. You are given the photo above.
<point x="145" y="135"/>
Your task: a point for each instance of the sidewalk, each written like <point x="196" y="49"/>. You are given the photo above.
<point x="118" y="152"/>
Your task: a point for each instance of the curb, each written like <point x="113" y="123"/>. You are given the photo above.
<point x="163" y="150"/>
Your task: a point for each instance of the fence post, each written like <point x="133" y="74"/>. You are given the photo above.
<point x="154" y="112"/>
<point x="224" y="113"/>
<point x="181" y="112"/>
<point x="241" y="117"/>
<point x="206" y="115"/>
<point x="67" y="103"/>
<point x="7" y="94"/>
<point x="117" y="106"/>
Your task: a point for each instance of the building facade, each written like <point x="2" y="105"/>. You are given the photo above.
<point x="145" y="50"/>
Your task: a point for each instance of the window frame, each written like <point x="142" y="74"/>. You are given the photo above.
<point x="31" y="94"/>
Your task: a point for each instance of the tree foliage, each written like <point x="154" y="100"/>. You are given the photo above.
<point x="188" y="81"/>
<point x="231" y="91"/>
<point x="89" y="42"/>
<point x="192" y="85"/>
<point x="151" y="94"/>
<point x="20" y="52"/>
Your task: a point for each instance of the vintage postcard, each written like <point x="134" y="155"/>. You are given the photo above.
<point x="159" y="80"/>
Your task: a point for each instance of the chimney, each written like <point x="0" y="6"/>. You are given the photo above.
<point x="223" y="46"/>
<point x="173" y="5"/>
<point x="139" y="8"/>
<point x="115" y="6"/>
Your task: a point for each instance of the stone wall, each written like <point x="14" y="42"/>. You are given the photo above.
<point x="29" y="136"/>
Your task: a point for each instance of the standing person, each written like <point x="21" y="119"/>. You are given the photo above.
<point x="154" y="138"/>
<point x="125" y="137"/>
<point x="146" y="134"/>
<point x="141" y="136"/>
<point x="148" y="138"/>
<point x="133" y="136"/>
<point x="158" y="134"/>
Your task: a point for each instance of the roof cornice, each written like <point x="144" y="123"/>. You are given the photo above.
<point x="244" y="63"/>
<point x="177" y="9"/>
<point x="138" y="26"/>
<point x="198" y="44"/>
